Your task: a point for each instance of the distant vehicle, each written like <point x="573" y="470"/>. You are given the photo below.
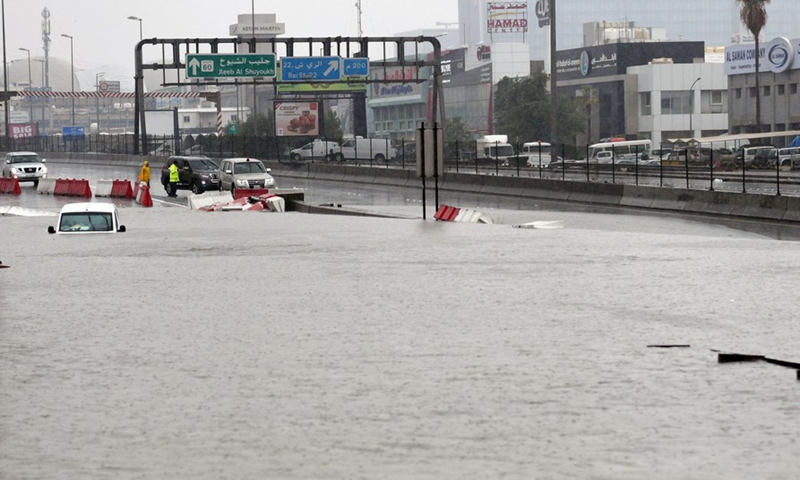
<point x="495" y="149"/>
<point x="789" y="157"/>
<point x="25" y="167"/>
<point x="197" y="174"/>
<point x="639" y="149"/>
<point x="378" y="149"/>
<point x="536" y="154"/>
<point x="88" y="217"/>
<point x="746" y="155"/>
<point x="194" y="150"/>
<point x="244" y="173"/>
<point x="316" y="150"/>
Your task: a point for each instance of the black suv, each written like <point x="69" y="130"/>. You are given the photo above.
<point x="197" y="174"/>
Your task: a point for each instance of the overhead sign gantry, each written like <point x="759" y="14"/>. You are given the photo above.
<point x="286" y="62"/>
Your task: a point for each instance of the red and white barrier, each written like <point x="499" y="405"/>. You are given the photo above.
<point x="205" y="200"/>
<point x="114" y="188"/>
<point x="72" y="187"/>
<point x="10" y="185"/>
<point x="143" y="197"/>
<point x="447" y="213"/>
<point x="249" y="192"/>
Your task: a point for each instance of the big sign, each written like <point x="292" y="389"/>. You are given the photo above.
<point x="22" y="130"/>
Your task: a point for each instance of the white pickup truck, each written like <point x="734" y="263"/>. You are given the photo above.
<point x="316" y="150"/>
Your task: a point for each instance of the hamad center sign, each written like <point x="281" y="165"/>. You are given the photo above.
<point x="507" y="17"/>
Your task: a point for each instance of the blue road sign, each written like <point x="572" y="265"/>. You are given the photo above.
<point x="310" y="69"/>
<point x="73" y="131"/>
<point x="355" y="67"/>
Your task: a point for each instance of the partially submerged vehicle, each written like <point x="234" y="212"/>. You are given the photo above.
<point x="88" y="217"/>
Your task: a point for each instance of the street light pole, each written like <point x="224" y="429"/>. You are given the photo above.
<point x="30" y="79"/>
<point x="97" y="90"/>
<point x="5" y="71"/>
<point x="43" y="127"/>
<point x="72" y="70"/>
<point x="132" y="17"/>
<point x="691" y="107"/>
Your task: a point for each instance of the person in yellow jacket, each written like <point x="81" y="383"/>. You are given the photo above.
<point x="144" y="175"/>
<point x="174" y="176"/>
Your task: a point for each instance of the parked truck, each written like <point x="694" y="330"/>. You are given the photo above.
<point x="495" y="149"/>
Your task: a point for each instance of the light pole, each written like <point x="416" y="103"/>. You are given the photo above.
<point x="691" y="106"/>
<point x="30" y="78"/>
<point x="97" y="90"/>
<point x="132" y="17"/>
<point x="72" y="71"/>
<point x="43" y="127"/>
<point x="5" y="71"/>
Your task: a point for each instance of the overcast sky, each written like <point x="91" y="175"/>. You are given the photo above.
<point x="103" y="34"/>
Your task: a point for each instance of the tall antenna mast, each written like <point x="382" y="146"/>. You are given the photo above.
<point x="358" y="13"/>
<point x="46" y="45"/>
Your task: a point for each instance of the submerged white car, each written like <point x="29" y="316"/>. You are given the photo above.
<point x="25" y="167"/>
<point x="88" y="217"/>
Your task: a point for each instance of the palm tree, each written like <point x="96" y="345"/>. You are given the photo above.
<point x="754" y="16"/>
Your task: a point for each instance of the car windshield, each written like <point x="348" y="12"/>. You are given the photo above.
<point x="203" y="165"/>
<point x="24" y="159"/>
<point x="85" y="222"/>
<point x="248" y="167"/>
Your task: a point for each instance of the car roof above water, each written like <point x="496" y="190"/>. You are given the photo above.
<point x="89" y="207"/>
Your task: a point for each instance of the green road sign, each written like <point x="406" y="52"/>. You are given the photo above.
<point x="230" y="65"/>
<point x="232" y="129"/>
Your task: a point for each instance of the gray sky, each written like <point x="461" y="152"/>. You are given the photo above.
<point x="103" y="35"/>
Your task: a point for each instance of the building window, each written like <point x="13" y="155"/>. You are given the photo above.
<point x="675" y="103"/>
<point x="187" y="119"/>
<point x="792" y="88"/>
<point x="766" y="90"/>
<point x="781" y="89"/>
<point x="751" y="92"/>
<point x="645" y="99"/>
<point x="737" y="93"/>
<point x="713" y="101"/>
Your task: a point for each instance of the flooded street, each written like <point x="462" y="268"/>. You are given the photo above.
<point x="253" y="345"/>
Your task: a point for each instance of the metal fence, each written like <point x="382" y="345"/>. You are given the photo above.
<point x="711" y="169"/>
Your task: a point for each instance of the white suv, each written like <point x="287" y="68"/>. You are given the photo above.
<point x="25" y="167"/>
<point x="244" y="173"/>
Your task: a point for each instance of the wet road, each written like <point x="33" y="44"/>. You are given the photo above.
<point x="289" y="346"/>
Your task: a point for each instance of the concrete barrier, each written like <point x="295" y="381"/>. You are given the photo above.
<point x="637" y="196"/>
<point x="599" y="193"/>
<point x="547" y="189"/>
<point x="395" y="177"/>
<point x="792" y="213"/>
<point x="327" y="172"/>
<point x="359" y="174"/>
<point x="759" y="206"/>
<point x="671" y="198"/>
<point x="719" y="203"/>
<point x="508" y="186"/>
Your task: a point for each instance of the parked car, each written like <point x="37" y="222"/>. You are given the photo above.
<point x="197" y="174"/>
<point x="88" y="217"/>
<point x="746" y="155"/>
<point x="789" y="157"/>
<point x="238" y="173"/>
<point x="25" y="167"/>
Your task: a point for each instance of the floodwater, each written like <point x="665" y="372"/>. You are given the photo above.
<point x="242" y="345"/>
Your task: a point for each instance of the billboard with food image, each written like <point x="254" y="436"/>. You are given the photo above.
<point x="296" y="119"/>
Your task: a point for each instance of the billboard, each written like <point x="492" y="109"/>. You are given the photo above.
<point x="506" y="17"/>
<point x="20" y="130"/>
<point x="296" y="119"/>
<point x="776" y="56"/>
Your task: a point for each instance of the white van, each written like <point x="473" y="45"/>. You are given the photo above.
<point x="88" y="217"/>
<point x="316" y="150"/>
<point x="359" y="148"/>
